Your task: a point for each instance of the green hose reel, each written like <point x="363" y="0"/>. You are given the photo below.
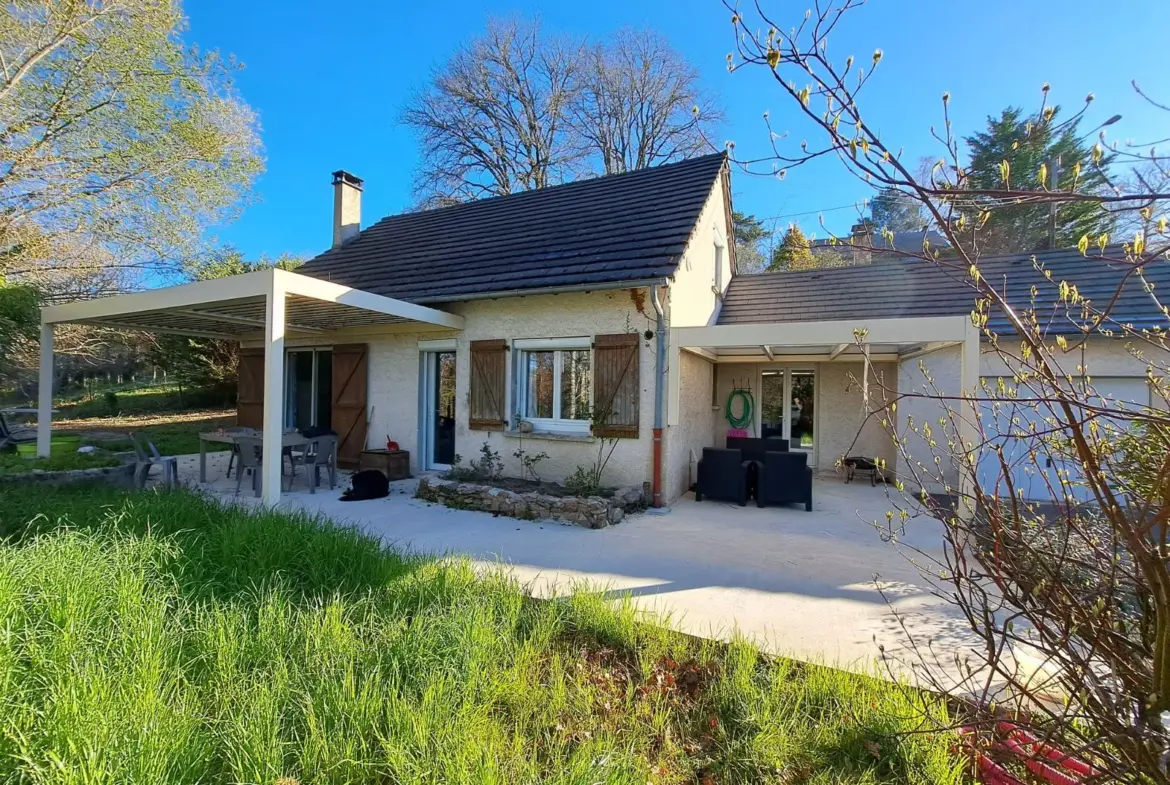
<point x="747" y="415"/>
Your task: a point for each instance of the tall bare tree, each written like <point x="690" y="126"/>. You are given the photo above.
<point x="1074" y="574"/>
<point x="517" y="110"/>
<point x="495" y="118"/>
<point x="641" y="104"/>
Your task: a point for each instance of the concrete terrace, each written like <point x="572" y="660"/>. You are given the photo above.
<point x="801" y="584"/>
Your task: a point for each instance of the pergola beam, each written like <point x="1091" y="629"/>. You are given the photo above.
<point x="243" y="320"/>
<point x="927" y="348"/>
<point x="910" y="330"/>
<point x="768" y="351"/>
<point x="165" y="330"/>
<point x="327" y="291"/>
<point x="838" y="350"/>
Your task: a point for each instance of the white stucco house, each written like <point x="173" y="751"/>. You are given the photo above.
<point x="514" y="317"/>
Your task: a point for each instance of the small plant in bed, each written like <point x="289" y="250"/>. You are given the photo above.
<point x="164" y="638"/>
<point x="11" y="463"/>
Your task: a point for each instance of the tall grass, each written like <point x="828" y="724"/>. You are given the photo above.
<point x="158" y="638"/>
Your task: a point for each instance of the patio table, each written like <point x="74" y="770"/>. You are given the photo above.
<point x="290" y="439"/>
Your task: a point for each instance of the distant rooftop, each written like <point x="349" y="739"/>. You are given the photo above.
<point x="912" y="287"/>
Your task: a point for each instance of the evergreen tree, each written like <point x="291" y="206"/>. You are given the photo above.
<point x="749" y="232"/>
<point x="793" y="253"/>
<point x="1030" y="145"/>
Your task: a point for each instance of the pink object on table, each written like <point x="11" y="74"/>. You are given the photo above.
<point x="737" y="433"/>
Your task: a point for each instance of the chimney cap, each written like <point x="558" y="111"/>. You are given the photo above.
<point x="342" y="176"/>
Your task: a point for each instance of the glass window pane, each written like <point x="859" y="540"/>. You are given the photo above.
<point x="576" y="384"/>
<point x="803" y="397"/>
<point x="772" y="404"/>
<point x="539" y="373"/>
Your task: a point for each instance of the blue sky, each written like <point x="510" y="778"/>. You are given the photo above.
<point x="328" y="79"/>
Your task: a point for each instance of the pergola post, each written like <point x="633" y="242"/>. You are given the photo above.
<point x="45" y="393"/>
<point x="969" y="412"/>
<point x="273" y="391"/>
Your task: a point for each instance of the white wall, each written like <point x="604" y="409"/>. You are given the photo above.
<point x="841" y="412"/>
<point x="693" y="299"/>
<point x="557" y="316"/>
<point x="693" y="432"/>
<point x="914" y="378"/>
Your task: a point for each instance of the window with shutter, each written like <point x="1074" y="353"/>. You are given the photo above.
<point x="616" y="384"/>
<point x="486" y="408"/>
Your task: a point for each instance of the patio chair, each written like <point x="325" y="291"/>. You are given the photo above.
<point x="169" y="464"/>
<point x="722" y="476"/>
<point x="236" y="430"/>
<point x="754" y="449"/>
<point x="148" y="456"/>
<point x="320" y="453"/>
<point x="15" y="435"/>
<point x="250" y="450"/>
<point x="785" y="478"/>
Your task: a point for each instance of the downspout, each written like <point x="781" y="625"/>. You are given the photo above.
<point x="659" y="391"/>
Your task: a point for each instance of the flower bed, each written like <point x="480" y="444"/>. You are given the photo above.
<point x="592" y="512"/>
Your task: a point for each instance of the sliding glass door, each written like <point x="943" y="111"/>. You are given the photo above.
<point x="788" y="407"/>
<point x="308" y="388"/>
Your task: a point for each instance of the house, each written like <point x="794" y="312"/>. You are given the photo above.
<point x="866" y="244"/>
<point x="514" y="321"/>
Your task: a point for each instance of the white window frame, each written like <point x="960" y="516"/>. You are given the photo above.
<point x="520" y="350"/>
<point x="720" y="252"/>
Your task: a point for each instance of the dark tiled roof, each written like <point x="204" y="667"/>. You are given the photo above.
<point x="904" y="242"/>
<point x="623" y="228"/>
<point x="917" y="288"/>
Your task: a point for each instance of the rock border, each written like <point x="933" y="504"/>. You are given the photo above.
<point x="122" y="474"/>
<point x="591" y="512"/>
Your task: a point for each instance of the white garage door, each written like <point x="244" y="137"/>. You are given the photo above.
<point x="1032" y="470"/>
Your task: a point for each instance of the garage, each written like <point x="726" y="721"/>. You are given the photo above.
<point x="1028" y="466"/>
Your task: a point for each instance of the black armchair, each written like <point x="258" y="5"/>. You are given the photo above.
<point x="722" y="476"/>
<point x="785" y="478"/>
<point x="754" y="449"/>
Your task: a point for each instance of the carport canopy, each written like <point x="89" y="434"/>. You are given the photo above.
<point x="862" y="339"/>
<point x="265" y="305"/>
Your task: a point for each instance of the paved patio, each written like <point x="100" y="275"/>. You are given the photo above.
<point x="799" y="583"/>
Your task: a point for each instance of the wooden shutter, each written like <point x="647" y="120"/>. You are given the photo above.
<point x="616" y="383"/>
<point x="250" y="389"/>
<point x="348" y="416"/>
<point x="488" y="398"/>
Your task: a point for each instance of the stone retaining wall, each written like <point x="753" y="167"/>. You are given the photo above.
<point x="122" y="475"/>
<point x="593" y="512"/>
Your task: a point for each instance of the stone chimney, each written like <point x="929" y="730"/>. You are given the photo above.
<point x="347" y="207"/>
<point x="861" y="238"/>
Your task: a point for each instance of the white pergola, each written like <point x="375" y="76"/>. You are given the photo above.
<point x="867" y="340"/>
<point x="265" y="305"/>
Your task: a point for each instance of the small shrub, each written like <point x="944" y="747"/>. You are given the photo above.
<point x="111" y="400"/>
<point x="489" y="466"/>
<point x="582" y="482"/>
<point x="529" y="461"/>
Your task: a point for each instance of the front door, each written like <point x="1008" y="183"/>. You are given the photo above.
<point x="438" y="426"/>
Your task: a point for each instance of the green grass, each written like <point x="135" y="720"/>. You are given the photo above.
<point x="11" y="463"/>
<point x="159" y="638"/>
<point x="177" y="437"/>
<point x="137" y="400"/>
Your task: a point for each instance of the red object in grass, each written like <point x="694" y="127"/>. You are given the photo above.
<point x="1027" y="748"/>
<point x="391" y="445"/>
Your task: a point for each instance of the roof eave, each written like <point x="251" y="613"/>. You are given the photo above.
<point x="591" y="287"/>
